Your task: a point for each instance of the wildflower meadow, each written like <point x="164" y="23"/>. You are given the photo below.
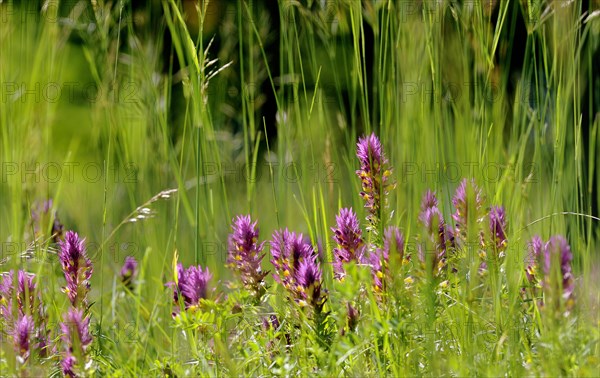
<point x="302" y="188"/>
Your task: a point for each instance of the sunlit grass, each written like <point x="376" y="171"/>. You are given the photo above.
<point x="130" y="123"/>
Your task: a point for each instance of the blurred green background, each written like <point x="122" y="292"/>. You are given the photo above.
<point x="255" y="107"/>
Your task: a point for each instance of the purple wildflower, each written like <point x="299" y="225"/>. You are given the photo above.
<point x="549" y="266"/>
<point x="393" y="244"/>
<point x="129" y="271"/>
<point x="375" y="175"/>
<point x="348" y="237"/>
<point x="192" y="285"/>
<point x="29" y="293"/>
<point x="465" y="208"/>
<point x="429" y="201"/>
<point x="297" y="267"/>
<point x="439" y="233"/>
<point x="27" y="290"/>
<point x="76" y="339"/>
<point x="22" y="333"/>
<point x="76" y="330"/>
<point x="245" y="253"/>
<point x="26" y="294"/>
<point x="280" y="256"/>
<point x="67" y="366"/>
<point x="430" y="215"/>
<point x="534" y="251"/>
<point x="288" y="250"/>
<point x="6" y="295"/>
<point x="308" y="273"/>
<point x="379" y="259"/>
<point x="432" y="219"/>
<point x="309" y="280"/>
<point x="559" y="247"/>
<point x="498" y="227"/>
<point x="77" y="268"/>
<point x="378" y="266"/>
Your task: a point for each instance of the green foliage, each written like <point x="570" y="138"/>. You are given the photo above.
<point x="130" y="123"/>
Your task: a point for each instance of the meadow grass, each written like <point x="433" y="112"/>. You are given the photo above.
<point x="95" y="118"/>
